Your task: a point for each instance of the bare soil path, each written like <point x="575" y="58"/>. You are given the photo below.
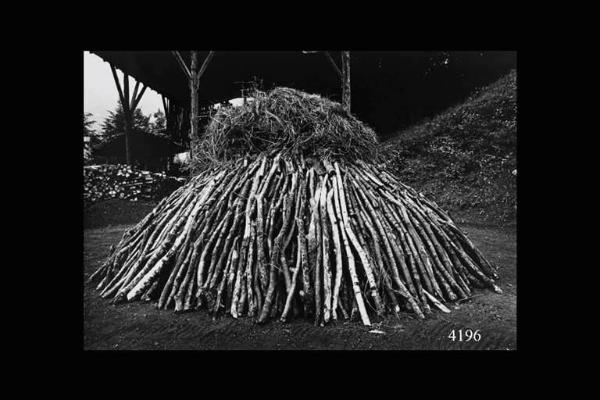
<point x="140" y="326"/>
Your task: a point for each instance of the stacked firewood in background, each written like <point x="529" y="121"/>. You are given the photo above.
<point x="118" y="181"/>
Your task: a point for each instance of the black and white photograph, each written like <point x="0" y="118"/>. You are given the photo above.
<point x="299" y="200"/>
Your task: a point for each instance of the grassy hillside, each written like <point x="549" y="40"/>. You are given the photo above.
<point x="465" y="158"/>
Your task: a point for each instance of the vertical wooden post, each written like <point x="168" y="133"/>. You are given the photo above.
<point x="128" y="120"/>
<point x="128" y="124"/>
<point x="194" y="96"/>
<point x="168" y="125"/>
<point x="193" y="74"/>
<point x="346" y="80"/>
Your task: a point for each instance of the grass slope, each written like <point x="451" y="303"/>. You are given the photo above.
<point x="465" y="158"/>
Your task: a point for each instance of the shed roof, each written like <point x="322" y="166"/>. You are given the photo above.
<point x="226" y="72"/>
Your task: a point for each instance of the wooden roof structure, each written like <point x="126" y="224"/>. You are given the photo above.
<point x="228" y="71"/>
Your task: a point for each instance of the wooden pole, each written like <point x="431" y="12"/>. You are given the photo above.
<point x="195" y="75"/>
<point x="165" y="106"/>
<point x="168" y="123"/>
<point x="128" y="127"/>
<point x="181" y="63"/>
<point x="128" y="120"/>
<point x="136" y="100"/>
<point x="117" y="83"/>
<point x="346" y="80"/>
<point x="194" y="96"/>
<point x="135" y="92"/>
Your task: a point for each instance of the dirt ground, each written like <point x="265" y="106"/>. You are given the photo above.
<point x="140" y="326"/>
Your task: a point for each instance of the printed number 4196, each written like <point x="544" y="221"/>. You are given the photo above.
<point x="464" y="336"/>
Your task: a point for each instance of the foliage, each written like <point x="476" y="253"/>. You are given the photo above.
<point x="90" y="137"/>
<point x="87" y="124"/>
<point x="114" y="123"/>
<point x="160" y="121"/>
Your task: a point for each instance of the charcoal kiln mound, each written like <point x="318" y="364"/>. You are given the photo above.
<point x="288" y="215"/>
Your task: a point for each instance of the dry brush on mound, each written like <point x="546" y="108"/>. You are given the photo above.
<point x="285" y="120"/>
<point x="278" y="234"/>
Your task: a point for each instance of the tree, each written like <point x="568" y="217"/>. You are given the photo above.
<point x="89" y="134"/>
<point x="160" y="122"/>
<point x="114" y="124"/>
<point x="87" y="124"/>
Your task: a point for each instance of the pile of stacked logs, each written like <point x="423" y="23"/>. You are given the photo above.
<point x="279" y="236"/>
<point x="110" y="181"/>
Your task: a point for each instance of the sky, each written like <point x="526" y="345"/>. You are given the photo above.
<point x="100" y="93"/>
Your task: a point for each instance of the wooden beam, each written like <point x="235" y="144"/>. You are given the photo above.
<point x="194" y="97"/>
<point x="184" y="67"/>
<point x="126" y="92"/>
<point x="165" y="106"/>
<point x="136" y="101"/>
<point x="346" y="80"/>
<point x="117" y="83"/>
<point x="205" y="64"/>
<point x="128" y="120"/>
<point x="135" y="90"/>
<point x="337" y="70"/>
